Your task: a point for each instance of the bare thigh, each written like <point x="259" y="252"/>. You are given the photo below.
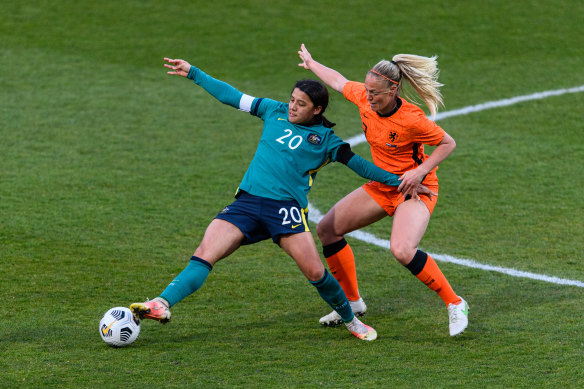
<point x="355" y="210"/>
<point x="302" y="249"/>
<point x="221" y="240"/>
<point x="410" y="221"/>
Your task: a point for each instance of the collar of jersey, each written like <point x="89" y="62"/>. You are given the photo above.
<point x="397" y="106"/>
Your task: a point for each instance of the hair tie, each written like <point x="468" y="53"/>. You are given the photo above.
<point x="388" y="79"/>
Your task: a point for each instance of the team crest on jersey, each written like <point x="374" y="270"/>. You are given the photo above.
<point x="393" y="136"/>
<point x="315" y="139"/>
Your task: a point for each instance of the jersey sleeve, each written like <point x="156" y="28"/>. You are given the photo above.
<point x="334" y="144"/>
<point x="262" y="107"/>
<point x="354" y="91"/>
<point x="342" y="153"/>
<point x="370" y="171"/>
<point x="426" y="131"/>
<point x="222" y="91"/>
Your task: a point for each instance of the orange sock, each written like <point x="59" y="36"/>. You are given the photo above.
<point x="426" y="270"/>
<point x="341" y="261"/>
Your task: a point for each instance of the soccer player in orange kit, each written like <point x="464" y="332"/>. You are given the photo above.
<point x="396" y="131"/>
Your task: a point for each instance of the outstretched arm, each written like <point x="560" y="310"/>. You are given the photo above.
<point x="329" y="76"/>
<point x="222" y="91"/>
<point x="370" y="171"/>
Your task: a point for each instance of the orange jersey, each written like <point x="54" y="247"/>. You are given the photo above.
<point x="397" y="141"/>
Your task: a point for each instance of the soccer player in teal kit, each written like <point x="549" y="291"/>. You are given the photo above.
<point x="296" y="142"/>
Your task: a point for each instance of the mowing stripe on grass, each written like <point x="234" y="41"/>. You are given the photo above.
<point x="315" y="215"/>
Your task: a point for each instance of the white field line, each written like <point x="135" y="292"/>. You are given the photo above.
<point x="315" y="215"/>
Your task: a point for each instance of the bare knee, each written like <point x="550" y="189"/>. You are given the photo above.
<point x="209" y="253"/>
<point x="403" y="253"/>
<point x="200" y="252"/>
<point x="326" y="233"/>
<point x="321" y="231"/>
<point x="314" y="273"/>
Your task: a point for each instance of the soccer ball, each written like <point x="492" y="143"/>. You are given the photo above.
<point x="118" y="327"/>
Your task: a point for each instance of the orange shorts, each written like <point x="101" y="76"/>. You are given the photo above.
<point x="389" y="198"/>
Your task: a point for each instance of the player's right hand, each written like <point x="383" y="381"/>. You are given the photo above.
<point x="305" y="57"/>
<point x="178" y="66"/>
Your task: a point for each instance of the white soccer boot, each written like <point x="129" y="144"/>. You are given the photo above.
<point x="458" y="317"/>
<point x="334" y="319"/>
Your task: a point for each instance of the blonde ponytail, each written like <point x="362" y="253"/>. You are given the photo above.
<point x="420" y="72"/>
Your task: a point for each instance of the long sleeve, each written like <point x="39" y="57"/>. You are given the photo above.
<point x="363" y="167"/>
<point x="368" y="170"/>
<point x="222" y="91"/>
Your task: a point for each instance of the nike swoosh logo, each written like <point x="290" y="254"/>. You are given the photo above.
<point x="296" y="226"/>
<point x="105" y="331"/>
<point x="465" y="311"/>
<point x="281" y="119"/>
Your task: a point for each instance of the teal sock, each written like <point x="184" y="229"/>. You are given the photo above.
<point x="188" y="281"/>
<point x="331" y="292"/>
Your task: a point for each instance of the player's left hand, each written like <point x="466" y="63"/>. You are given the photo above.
<point x="410" y="184"/>
<point x="410" y="180"/>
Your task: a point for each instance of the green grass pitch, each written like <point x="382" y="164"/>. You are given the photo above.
<point x="110" y="171"/>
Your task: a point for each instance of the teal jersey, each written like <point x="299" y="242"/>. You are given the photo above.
<point x="288" y="155"/>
